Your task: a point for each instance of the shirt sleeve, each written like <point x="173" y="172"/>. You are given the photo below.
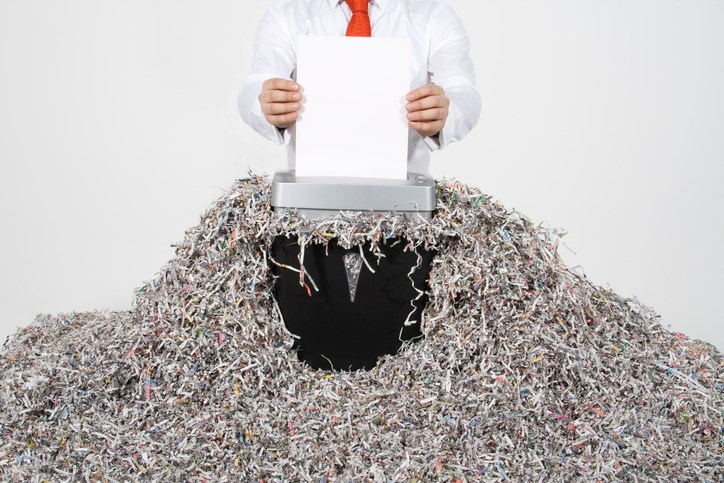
<point x="451" y="67"/>
<point x="274" y="56"/>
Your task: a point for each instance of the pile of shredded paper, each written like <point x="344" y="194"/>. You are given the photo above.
<point x="527" y="370"/>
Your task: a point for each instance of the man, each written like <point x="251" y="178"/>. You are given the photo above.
<point x="443" y="106"/>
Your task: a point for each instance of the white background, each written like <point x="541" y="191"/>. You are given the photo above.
<point x="117" y="130"/>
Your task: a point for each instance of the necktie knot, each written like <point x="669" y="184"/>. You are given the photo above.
<point x="359" y="24"/>
<point x="358" y="5"/>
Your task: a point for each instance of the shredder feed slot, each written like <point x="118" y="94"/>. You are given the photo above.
<point x="321" y="196"/>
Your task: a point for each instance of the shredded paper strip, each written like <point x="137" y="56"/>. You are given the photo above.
<point x="527" y="371"/>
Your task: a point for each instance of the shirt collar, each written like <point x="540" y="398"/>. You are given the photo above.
<point x="380" y="3"/>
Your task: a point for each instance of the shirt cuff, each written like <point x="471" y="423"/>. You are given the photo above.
<point x="433" y="142"/>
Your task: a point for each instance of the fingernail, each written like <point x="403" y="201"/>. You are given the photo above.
<point x="295" y="96"/>
<point x="295" y="87"/>
<point x="409" y="98"/>
<point x="410" y="116"/>
<point x="409" y="106"/>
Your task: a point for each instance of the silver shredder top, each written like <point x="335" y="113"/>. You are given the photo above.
<point x="317" y="197"/>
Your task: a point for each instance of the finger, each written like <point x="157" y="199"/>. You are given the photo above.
<point x="427" y="115"/>
<point x="281" y="84"/>
<point x="427" y="128"/>
<point x="280" y="96"/>
<point x="425" y="91"/>
<point x="428" y="103"/>
<point x="284" y="120"/>
<point x="280" y="108"/>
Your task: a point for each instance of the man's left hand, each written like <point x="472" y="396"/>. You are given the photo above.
<point x="427" y="109"/>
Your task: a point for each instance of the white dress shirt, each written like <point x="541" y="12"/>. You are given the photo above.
<point x="440" y="55"/>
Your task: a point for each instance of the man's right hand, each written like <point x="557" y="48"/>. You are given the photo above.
<point x="280" y="100"/>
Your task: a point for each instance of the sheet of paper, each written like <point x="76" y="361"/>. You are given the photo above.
<point x="353" y="117"/>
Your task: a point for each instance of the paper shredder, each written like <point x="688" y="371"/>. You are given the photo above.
<point x="353" y="315"/>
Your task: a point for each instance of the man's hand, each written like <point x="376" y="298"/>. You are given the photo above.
<point x="427" y="109"/>
<point x="280" y="101"/>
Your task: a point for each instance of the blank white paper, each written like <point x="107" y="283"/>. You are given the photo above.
<point x="353" y="122"/>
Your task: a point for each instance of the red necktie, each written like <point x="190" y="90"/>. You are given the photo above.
<point x="359" y="24"/>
